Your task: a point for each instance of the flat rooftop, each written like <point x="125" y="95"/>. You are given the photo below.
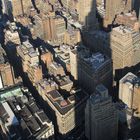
<point x="101" y="94"/>
<point x="11" y="120"/>
<point x="93" y="60"/>
<point x="65" y="105"/>
<point x="26" y="115"/>
<point x="130" y="79"/>
<point x="10" y="92"/>
<point x="63" y="80"/>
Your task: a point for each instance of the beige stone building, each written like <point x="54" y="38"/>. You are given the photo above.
<point x="129" y="92"/>
<point x="74" y="64"/>
<point x="30" y="61"/>
<point x="12" y="35"/>
<point x="46" y="56"/>
<point x="50" y="27"/>
<point x="56" y="69"/>
<point x="69" y="113"/>
<point x="125" y="48"/>
<point x="72" y="36"/>
<point x="7" y="77"/>
<point x="14" y="8"/>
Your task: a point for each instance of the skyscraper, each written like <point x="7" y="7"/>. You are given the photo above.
<point x="69" y="113"/>
<point x="50" y="27"/>
<point x="30" y="61"/>
<point x="101" y="120"/>
<point x="7" y="77"/>
<point x="129" y="91"/>
<point x="93" y="69"/>
<point x="74" y="64"/>
<point x="125" y="47"/>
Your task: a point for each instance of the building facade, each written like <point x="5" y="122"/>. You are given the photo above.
<point x="7" y="77"/>
<point x="30" y="61"/>
<point x="69" y="112"/>
<point x="15" y="8"/>
<point x="129" y="92"/>
<point x="101" y="120"/>
<point x="124" y="42"/>
<point x="52" y="27"/>
<point x="93" y="69"/>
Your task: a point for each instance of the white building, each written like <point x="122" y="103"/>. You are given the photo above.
<point x="126" y="89"/>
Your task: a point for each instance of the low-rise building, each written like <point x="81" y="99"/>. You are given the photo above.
<point x="64" y="82"/>
<point x="22" y="118"/>
<point x="62" y="54"/>
<point x="56" y="69"/>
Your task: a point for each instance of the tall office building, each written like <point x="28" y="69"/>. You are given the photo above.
<point x="7" y="77"/>
<point x="101" y="119"/>
<point x="6" y="73"/>
<point x="72" y="36"/>
<point x="26" y="5"/>
<point x="74" y="64"/>
<point x="58" y="28"/>
<point x="30" y="61"/>
<point x="93" y="69"/>
<point x="10" y="9"/>
<point x="50" y="27"/>
<point x="43" y="6"/>
<point x="129" y="92"/>
<point x="70" y="5"/>
<point x="124" y="42"/>
<point x="126" y="85"/>
<point x="114" y="7"/>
